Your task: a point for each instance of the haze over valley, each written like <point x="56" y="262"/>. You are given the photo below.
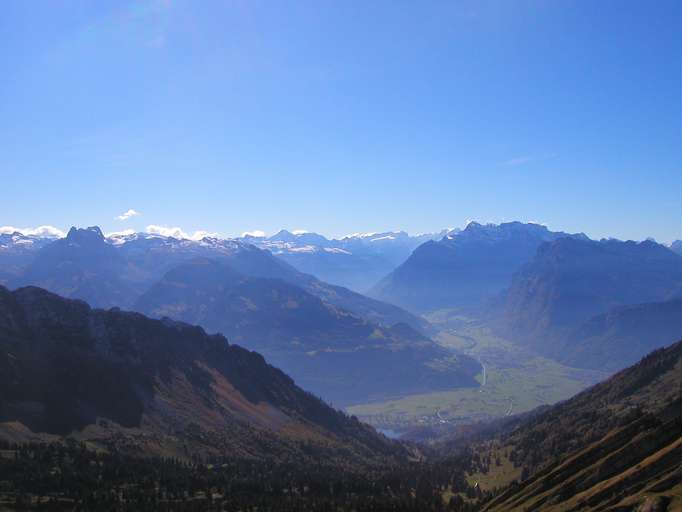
<point x="410" y="352"/>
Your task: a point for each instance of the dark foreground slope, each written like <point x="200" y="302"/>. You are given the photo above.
<point x="616" y="446"/>
<point x="326" y="349"/>
<point x="123" y="382"/>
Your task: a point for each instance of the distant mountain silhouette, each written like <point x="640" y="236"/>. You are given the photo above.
<point x="356" y="261"/>
<point x="676" y="246"/>
<point x="16" y="252"/>
<point x="571" y="280"/>
<point x="118" y="380"/>
<point x="82" y="266"/>
<point x="463" y="270"/>
<point x="327" y="349"/>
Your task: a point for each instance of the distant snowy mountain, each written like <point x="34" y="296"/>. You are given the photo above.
<point x="114" y="270"/>
<point x="355" y="261"/>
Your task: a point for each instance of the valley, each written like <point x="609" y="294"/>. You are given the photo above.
<point x="513" y="380"/>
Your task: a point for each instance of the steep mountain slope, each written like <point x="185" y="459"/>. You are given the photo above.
<point x="81" y="266"/>
<point x="619" y="338"/>
<point x="463" y="270"/>
<point x="616" y="446"/>
<point x="120" y="380"/>
<point x="357" y="261"/>
<point x="326" y="349"/>
<point x="570" y="280"/>
<point x="676" y="246"/>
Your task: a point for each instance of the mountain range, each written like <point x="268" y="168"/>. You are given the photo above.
<point x="328" y="337"/>
<point x="148" y="383"/>
<point x="356" y="261"/>
<point x="114" y="271"/>
<point x="538" y="287"/>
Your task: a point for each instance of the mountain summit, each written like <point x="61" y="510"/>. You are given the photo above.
<point x="81" y="265"/>
<point x="463" y="270"/>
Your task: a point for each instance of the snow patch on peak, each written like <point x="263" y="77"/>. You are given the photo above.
<point x="120" y="237"/>
<point x="176" y="232"/>
<point x="305" y="248"/>
<point x="361" y="235"/>
<point x="40" y="231"/>
<point x="256" y="233"/>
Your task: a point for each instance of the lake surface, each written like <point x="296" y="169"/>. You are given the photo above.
<point x="392" y="434"/>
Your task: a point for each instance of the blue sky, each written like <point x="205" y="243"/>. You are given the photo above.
<point x="342" y="116"/>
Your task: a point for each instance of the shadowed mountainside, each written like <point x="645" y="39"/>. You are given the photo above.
<point x="81" y="266"/>
<point x="122" y="381"/>
<point x="676" y="246"/>
<point x="570" y="281"/>
<point x="463" y="270"/>
<point x="622" y="336"/>
<point x="325" y="348"/>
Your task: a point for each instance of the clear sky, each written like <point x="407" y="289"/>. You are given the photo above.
<point x="342" y="116"/>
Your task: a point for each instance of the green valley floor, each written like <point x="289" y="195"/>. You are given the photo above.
<point x="512" y="381"/>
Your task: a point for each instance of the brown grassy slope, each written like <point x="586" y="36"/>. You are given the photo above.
<point x="611" y="447"/>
